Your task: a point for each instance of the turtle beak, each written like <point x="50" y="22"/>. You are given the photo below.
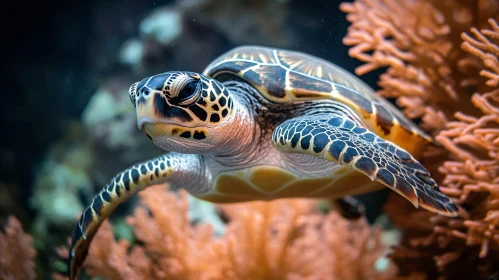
<point x="147" y="115"/>
<point x="154" y="129"/>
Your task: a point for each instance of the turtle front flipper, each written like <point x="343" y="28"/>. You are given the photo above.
<point x="342" y="141"/>
<point x="166" y="168"/>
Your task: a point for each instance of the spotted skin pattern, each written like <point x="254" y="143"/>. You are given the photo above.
<point x="121" y="187"/>
<point x="215" y="101"/>
<point x="340" y="140"/>
<point x="211" y="103"/>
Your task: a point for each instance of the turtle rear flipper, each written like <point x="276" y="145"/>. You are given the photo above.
<point x="340" y="140"/>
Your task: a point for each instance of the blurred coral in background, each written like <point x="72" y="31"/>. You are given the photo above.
<point x="443" y="69"/>
<point x="17" y="260"/>
<point x="283" y="239"/>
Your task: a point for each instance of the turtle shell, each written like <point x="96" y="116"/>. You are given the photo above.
<point x="289" y="76"/>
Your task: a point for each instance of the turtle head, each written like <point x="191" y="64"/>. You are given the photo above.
<point x="183" y="111"/>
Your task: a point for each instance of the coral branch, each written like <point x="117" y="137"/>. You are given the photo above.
<point x="284" y="239"/>
<point x="485" y="50"/>
<point x="17" y="257"/>
<point x="419" y="43"/>
<point x="431" y="77"/>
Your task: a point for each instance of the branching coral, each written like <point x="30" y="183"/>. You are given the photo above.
<point x="474" y="165"/>
<point x="284" y="239"/>
<point x="419" y="42"/>
<point x="17" y="257"/>
<point x="432" y="67"/>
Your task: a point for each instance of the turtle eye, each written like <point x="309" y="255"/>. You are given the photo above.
<point x="189" y="93"/>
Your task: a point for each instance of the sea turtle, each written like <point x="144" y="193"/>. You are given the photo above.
<point x="261" y="124"/>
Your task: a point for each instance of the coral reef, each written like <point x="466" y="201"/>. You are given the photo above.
<point x="17" y="257"/>
<point x="427" y="71"/>
<point x="284" y="239"/>
<point x="434" y="66"/>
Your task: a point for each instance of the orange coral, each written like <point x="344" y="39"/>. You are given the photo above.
<point x="419" y="42"/>
<point x="284" y="239"/>
<point x="288" y="239"/>
<point x="16" y="254"/>
<point x="474" y="144"/>
<point x="431" y="72"/>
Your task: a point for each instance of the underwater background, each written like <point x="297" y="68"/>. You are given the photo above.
<point x="68" y="127"/>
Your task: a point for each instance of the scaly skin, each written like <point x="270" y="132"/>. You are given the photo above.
<point x="340" y="140"/>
